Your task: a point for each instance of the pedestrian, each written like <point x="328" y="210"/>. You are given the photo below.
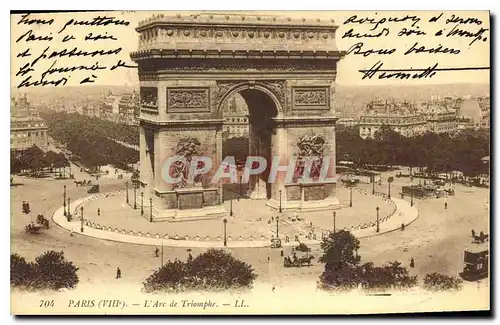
<point x="269" y="258"/>
<point x="402" y="227"/>
<point x="273" y="289"/>
<point x="412" y="262"/>
<point x="157" y="252"/>
<point x="118" y="273"/>
<point x="445" y="205"/>
<point x="98" y="211"/>
<point x="282" y="254"/>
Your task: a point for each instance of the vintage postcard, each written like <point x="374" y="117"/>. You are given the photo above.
<point x="244" y="162"/>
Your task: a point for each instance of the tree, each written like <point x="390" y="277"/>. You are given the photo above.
<point x="50" y="159"/>
<point x="172" y="276"/>
<point x="213" y="270"/>
<point x="22" y="273"/>
<point x="441" y="282"/>
<point x="340" y="260"/>
<point x="343" y="272"/>
<point x="339" y="250"/>
<point x="55" y="271"/>
<point x="49" y="271"/>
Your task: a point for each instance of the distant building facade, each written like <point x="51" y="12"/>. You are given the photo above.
<point x="109" y="109"/>
<point x="90" y="111"/>
<point x="128" y="107"/>
<point x="441" y="120"/>
<point x="236" y="118"/>
<point x="26" y="126"/>
<point x="406" y="125"/>
<point x="400" y="117"/>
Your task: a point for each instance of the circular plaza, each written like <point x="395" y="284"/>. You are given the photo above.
<point x="251" y="220"/>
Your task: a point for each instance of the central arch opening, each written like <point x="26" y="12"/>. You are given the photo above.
<point x="247" y="131"/>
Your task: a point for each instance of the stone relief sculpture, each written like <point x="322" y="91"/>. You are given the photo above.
<point x="309" y="146"/>
<point x="310" y="97"/>
<point x="188" y="98"/>
<point x="186" y="148"/>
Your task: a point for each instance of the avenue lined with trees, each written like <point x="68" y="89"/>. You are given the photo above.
<point x="92" y="141"/>
<point x="439" y="153"/>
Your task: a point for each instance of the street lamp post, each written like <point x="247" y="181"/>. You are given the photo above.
<point x="280" y="210"/>
<point x="378" y="224"/>
<point x="225" y="238"/>
<point x="350" y="196"/>
<point x="241" y="187"/>
<point x="334" y="222"/>
<point x="411" y="199"/>
<point x="69" y="209"/>
<point x="64" y="200"/>
<point x="277" y="227"/>
<point x="231" y="207"/>
<point x="389" y="181"/>
<point x="126" y="187"/>
<point x="135" y="199"/>
<point x="373" y="188"/>
<point x="150" y="209"/>
<point x="81" y="226"/>
<point x="142" y="203"/>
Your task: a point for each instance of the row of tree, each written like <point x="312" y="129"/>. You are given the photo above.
<point x="439" y="153"/>
<point x="91" y="140"/>
<point x="218" y="270"/>
<point x="121" y="132"/>
<point x="36" y="160"/>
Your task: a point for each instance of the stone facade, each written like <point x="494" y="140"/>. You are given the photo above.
<point x="190" y="66"/>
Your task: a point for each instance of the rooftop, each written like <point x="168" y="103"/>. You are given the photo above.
<point x="235" y="19"/>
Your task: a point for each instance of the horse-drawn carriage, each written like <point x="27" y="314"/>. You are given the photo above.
<point x="295" y="261"/>
<point x="83" y="183"/>
<point x="32" y="228"/>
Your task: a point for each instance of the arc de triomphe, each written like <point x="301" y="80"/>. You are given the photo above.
<point x="190" y="65"/>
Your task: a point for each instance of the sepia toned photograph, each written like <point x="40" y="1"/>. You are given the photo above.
<point x="249" y="162"/>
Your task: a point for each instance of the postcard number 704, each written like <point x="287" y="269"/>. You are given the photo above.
<point x="46" y="303"/>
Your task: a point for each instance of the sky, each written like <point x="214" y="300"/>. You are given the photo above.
<point x="475" y="55"/>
